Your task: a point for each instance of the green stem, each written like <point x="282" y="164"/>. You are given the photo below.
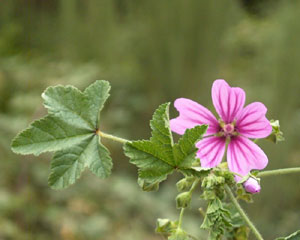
<point x="242" y="213"/>
<point x="180" y="218"/>
<point x="279" y="172"/>
<point x="111" y="137"/>
<point x="193" y="187"/>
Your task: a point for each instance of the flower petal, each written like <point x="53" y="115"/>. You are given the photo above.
<point x="243" y="155"/>
<point x="227" y="100"/>
<point x="192" y="114"/>
<point x="211" y="151"/>
<point x="252" y="122"/>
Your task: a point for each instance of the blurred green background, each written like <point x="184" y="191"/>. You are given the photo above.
<point x="151" y="52"/>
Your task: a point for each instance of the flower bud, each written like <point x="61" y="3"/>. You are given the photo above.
<point x="165" y="226"/>
<point x="183" y="200"/>
<point x="252" y="186"/>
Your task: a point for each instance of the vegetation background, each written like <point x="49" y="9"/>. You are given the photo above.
<point x="151" y="52"/>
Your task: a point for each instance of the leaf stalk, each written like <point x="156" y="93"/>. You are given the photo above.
<point x="111" y="137"/>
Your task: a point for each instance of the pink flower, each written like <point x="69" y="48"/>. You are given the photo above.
<point x="252" y="186"/>
<point x="236" y="125"/>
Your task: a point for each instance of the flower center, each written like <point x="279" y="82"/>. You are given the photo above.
<point x="227" y="129"/>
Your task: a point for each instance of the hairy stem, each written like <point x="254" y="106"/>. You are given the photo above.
<point x="242" y="213"/>
<point x="278" y="172"/>
<point x="111" y="137"/>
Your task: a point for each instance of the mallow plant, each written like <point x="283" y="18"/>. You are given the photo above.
<point x="218" y="156"/>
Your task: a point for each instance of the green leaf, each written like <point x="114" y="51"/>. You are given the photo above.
<point x="217" y="219"/>
<point x="148" y="187"/>
<point x="154" y="157"/>
<point x="69" y="130"/>
<point x="185" y="149"/>
<point x="293" y="236"/>
<point x="48" y="134"/>
<point x="239" y="230"/>
<point x="67" y="165"/>
<point x="242" y="194"/>
<point x="214" y="206"/>
<point x="69" y="104"/>
<point x="101" y="164"/>
<point x="147" y="157"/>
<point x="276" y="135"/>
<point x="161" y="132"/>
<point x="97" y="94"/>
<point x="158" y="157"/>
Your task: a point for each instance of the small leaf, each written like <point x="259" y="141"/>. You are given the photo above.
<point x="69" y="130"/>
<point x="293" y="236"/>
<point x="276" y="135"/>
<point x="158" y="157"/>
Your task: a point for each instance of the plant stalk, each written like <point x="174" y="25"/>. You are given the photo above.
<point x="242" y="213"/>
<point x="278" y="172"/>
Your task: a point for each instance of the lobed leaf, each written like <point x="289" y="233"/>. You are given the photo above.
<point x="158" y="157"/>
<point x="69" y="130"/>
